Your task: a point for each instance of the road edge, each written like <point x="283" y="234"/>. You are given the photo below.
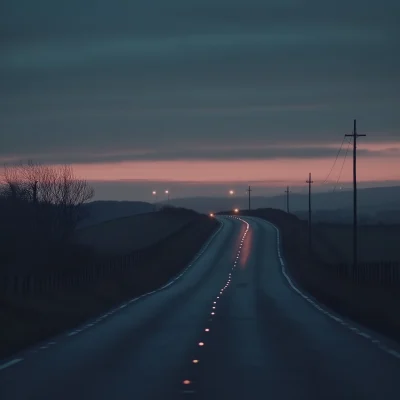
<point x="18" y="356"/>
<point x="374" y="337"/>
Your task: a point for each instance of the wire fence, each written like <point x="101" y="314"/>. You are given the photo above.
<point x="140" y="267"/>
<point x="383" y="273"/>
<point x="37" y="283"/>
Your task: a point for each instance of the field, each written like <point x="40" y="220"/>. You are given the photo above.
<point x="123" y="235"/>
<point x="376" y="243"/>
<point x="374" y="304"/>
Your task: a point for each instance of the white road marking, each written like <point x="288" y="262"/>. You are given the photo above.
<point x="201" y="344"/>
<point x="326" y="312"/>
<point x="10" y="363"/>
<point x="197" y="256"/>
<point x="109" y="313"/>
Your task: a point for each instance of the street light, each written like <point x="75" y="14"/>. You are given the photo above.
<point x="236" y="210"/>
<point x="155" y="205"/>
<point x="167" y="193"/>
<point x="231" y="193"/>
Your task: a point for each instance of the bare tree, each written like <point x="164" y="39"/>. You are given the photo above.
<point x="16" y="214"/>
<point x="13" y="186"/>
<point x="69" y="194"/>
<point x="55" y="185"/>
<point x="22" y="181"/>
<point x="40" y="204"/>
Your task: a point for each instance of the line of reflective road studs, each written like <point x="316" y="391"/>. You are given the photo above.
<point x="188" y="385"/>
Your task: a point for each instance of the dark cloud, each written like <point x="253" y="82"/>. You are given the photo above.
<point x="101" y="76"/>
<point x="158" y="17"/>
<point x="198" y="153"/>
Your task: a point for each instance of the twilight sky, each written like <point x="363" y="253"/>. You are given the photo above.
<point x="199" y="96"/>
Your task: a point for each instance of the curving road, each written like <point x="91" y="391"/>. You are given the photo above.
<point x="265" y="340"/>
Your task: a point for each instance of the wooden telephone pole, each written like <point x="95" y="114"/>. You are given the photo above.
<point x="287" y="191"/>
<point x="309" y="214"/>
<point x="355" y="135"/>
<point x="249" y="191"/>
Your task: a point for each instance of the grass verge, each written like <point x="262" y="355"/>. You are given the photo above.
<point x="372" y="306"/>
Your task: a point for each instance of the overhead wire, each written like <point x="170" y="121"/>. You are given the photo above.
<point x="302" y="190"/>
<point x="341" y="170"/>
<point x="337" y="156"/>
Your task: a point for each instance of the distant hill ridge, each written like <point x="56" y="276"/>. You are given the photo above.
<point x="379" y="204"/>
<point x="370" y="200"/>
<point x="101" y="211"/>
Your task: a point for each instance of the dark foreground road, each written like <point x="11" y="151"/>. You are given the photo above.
<point x="264" y="340"/>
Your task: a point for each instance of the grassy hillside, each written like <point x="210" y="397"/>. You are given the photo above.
<point x="127" y="234"/>
<point x="375" y="242"/>
<point x="96" y="212"/>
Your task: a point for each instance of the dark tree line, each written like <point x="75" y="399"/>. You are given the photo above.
<point x="40" y="208"/>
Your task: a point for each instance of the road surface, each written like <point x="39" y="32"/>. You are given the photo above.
<point x="264" y="340"/>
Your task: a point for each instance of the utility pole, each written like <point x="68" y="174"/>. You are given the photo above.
<point x="355" y="135"/>
<point x="249" y="190"/>
<point x="309" y="214"/>
<point x="287" y="199"/>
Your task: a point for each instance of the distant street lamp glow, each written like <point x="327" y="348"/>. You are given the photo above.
<point x="155" y="195"/>
<point x="236" y="210"/>
<point x="211" y="214"/>
<point x="231" y="192"/>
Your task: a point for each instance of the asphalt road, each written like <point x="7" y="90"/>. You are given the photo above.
<point x="264" y="340"/>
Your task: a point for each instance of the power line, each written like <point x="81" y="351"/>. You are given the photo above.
<point x="249" y="190"/>
<point x="355" y="135"/>
<point x="337" y="156"/>
<point x="341" y="170"/>
<point x="309" y="214"/>
<point x="287" y="191"/>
